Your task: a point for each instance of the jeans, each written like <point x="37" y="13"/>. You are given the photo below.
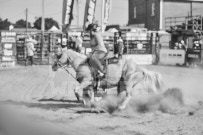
<point x="95" y="58"/>
<point x="29" y="58"/>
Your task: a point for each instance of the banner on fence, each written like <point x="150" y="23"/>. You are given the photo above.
<point x="89" y="13"/>
<point x="67" y="13"/>
<point x="106" y="13"/>
<point x="7" y="48"/>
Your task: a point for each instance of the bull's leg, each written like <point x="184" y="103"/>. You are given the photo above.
<point x="127" y="98"/>
<point x="132" y="79"/>
<point x="121" y="88"/>
<point x="79" y="90"/>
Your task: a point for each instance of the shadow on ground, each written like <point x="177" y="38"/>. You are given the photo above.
<point x="53" y="105"/>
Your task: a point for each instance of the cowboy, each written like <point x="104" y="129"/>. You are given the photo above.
<point x="99" y="50"/>
<point x="119" y="48"/>
<point x="29" y="43"/>
<point x="78" y="43"/>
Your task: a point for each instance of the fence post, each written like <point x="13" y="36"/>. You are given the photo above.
<point x="151" y="43"/>
<point x="157" y="48"/>
<point x="49" y="48"/>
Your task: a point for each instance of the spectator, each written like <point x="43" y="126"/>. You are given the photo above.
<point x="196" y="45"/>
<point x="29" y="43"/>
<point x="71" y="43"/>
<point x="176" y="45"/>
<point x="78" y="43"/>
<point x="120" y="47"/>
<point x="181" y="45"/>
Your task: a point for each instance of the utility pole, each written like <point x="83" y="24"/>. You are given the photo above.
<point x="102" y="16"/>
<point x="191" y="9"/>
<point x="42" y="30"/>
<point x="78" y="10"/>
<point x="42" y="22"/>
<point x="26" y="20"/>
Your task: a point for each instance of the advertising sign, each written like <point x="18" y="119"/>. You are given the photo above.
<point x="7" y="34"/>
<point x="172" y="57"/>
<point x="141" y="59"/>
<point x="193" y="55"/>
<point x="67" y="12"/>
<point x="107" y="9"/>
<point x="8" y="40"/>
<point x="8" y="49"/>
<point x="89" y="13"/>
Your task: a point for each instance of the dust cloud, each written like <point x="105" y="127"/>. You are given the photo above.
<point x="170" y="101"/>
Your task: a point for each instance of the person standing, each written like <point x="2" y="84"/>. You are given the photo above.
<point x="99" y="50"/>
<point x="29" y="43"/>
<point x="78" y="43"/>
<point x="119" y="48"/>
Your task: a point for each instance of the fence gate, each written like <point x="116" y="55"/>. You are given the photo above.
<point x="140" y="46"/>
<point x="44" y="48"/>
<point x="137" y="43"/>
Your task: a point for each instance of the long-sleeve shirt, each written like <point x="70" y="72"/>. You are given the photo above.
<point x="97" y="43"/>
<point x="30" y="47"/>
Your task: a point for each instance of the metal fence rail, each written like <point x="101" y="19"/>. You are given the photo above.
<point x="44" y="49"/>
<point x="184" y="23"/>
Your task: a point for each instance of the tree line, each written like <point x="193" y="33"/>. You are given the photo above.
<point x="49" y="22"/>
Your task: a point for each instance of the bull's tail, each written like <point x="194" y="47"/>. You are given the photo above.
<point x="152" y="81"/>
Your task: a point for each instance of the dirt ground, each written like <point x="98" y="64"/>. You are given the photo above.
<point x="35" y="100"/>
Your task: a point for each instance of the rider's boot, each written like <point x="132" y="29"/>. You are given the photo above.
<point x="100" y="74"/>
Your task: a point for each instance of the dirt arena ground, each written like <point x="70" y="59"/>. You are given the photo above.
<point x="37" y="101"/>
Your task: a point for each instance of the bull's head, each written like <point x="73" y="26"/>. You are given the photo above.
<point x="55" y="66"/>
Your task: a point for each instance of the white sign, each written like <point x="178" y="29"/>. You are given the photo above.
<point x="8" y="39"/>
<point x="8" y="46"/>
<point x="7" y="58"/>
<point x="141" y="59"/>
<point x="171" y="57"/>
<point x="7" y="64"/>
<point x="7" y="34"/>
<point x="8" y="52"/>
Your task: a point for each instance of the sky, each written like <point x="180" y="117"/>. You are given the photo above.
<point x="15" y="10"/>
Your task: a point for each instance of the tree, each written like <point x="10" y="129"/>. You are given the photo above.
<point x="21" y="24"/>
<point x="4" y="24"/>
<point x="49" y="22"/>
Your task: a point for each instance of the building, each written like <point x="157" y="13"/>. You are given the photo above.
<point x="152" y="14"/>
